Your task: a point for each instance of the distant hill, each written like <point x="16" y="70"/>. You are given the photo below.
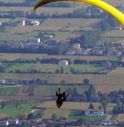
<point x="113" y="2"/>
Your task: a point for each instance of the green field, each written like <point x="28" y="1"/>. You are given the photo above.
<point x="12" y="110"/>
<point x="58" y="112"/>
<point x="9" y="90"/>
<point x="47" y="90"/>
<point x="85" y="118"/>
<point x="20" y="67"/>
<point x="50" y="68"/>
<point x="67" y="69"/>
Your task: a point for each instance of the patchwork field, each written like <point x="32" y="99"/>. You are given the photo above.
<point x="12" y="110"/>
<point x="104" y="83"/>
<point x="12" y="1"/>
<point x="120" y="117"/>
<point x="10" y="91"/>
<point x="7" y="90"/>
<point x="114" y="33"/>
<point x="16" y="56"/>
<point x="69" y="28"/>
<point x="51" y="68"/>
<point x="48" y="90"/>
<point x="115" y="2"/>
<point x="19" y="67"/>
<point x="50" y="108"/>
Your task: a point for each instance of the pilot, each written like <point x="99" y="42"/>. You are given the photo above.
<point x="61" y="98"/>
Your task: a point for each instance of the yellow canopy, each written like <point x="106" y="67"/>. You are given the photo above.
<point x="99" y="3"/>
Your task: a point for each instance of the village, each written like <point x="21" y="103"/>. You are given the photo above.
<point x="75" y="47"/>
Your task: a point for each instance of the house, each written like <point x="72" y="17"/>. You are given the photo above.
<point x="76" y="47"/>
<point x="70" y="52"/>
<point x="64" y="62"/>
<point x="94" y="112"/>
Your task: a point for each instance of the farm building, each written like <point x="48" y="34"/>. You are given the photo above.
<point x="64" y="62"/>
<point x="93" y="112"/>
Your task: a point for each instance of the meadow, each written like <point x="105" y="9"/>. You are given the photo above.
<point x="48" y="90"/>
<point x="9" y="90"/>
<point x="51" y="68"/>
<point x="12" y="110"/>
<point x="34" y="56"/>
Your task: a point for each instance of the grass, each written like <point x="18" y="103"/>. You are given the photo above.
<point x="62" y="35"/>
<point x="102" y="82"/>
<point x="86" y="118"/>
<point x="114" y="33"/>
<point x="20" y="67"/>
<point x="67" y="22"/>
<point x="77" y="68"/>
<point x="24" y="107"/>
<point x="15" y="111"/>
<point x="26" y="56"/>
<point x="9" y="91"/>
<point x="47" y="90"/>
<point x="67" y="110"/>
<point x="46" y="67"/>
<point x="73" y="105"/>
<point x="60" y="113"/>
<point x="105" y="83"/>
<point x="49" y="108"/>
<point x="89" y="68"/>
<point x="26" y="67"/>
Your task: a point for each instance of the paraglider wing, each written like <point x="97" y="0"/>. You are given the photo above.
<point x="99" y="3"/>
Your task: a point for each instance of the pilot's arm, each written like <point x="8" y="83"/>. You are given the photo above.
<point x="58" y="92"/>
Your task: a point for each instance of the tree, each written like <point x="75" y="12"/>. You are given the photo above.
<point x="91" y="106"/>
<point x="39" y="114"/>
<point x="54" y="116"/>
<point x="17" y="103"/>
<point x="61" y="70"/>
<point x="3" y="104"/>
<point x="89" y="38"/>
<point x="30" y="116"/>
<point x="90" y="93"/>
<point x="72" y="70"/>
<point x="86" y="81"/>
<point x="31" y="90"/>
<point x="104" y="102"/>
<point x="74" y="91"/>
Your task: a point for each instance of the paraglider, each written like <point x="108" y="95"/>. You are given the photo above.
<point x="119" y="16"/>
<point x="61" y="97"/>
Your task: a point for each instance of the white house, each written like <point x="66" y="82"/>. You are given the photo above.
<point x="93" y="112"/>
<point x="64" y="62"/>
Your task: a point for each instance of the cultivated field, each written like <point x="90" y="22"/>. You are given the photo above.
<point x="43" y="10"/>
<point x="67" y="107"/>
<point x="120" y="118"/>
<point x="16" y="56"/>
<point x="104" y="83"/>
<point x="49" y="90"/>
<point x="12" y="1"/>
<point x="23" y="108"/>
<point x="9" y="90"/>
<point x="114" y="33"/>
<point x="115" y="2"/>
<point x="51" y="68"/>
